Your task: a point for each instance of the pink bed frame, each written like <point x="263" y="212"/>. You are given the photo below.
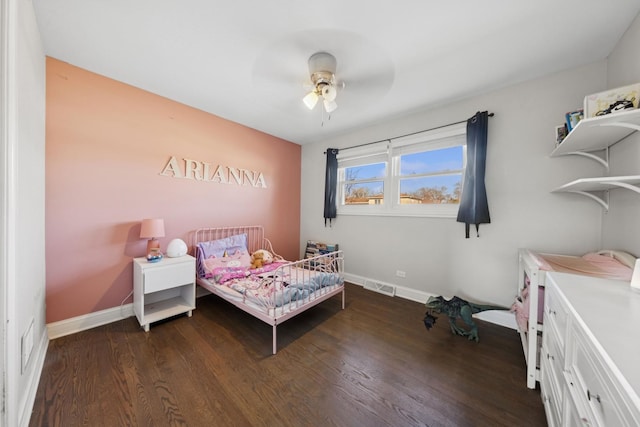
<point x="302" y="270"/>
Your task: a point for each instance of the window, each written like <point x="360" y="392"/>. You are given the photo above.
<point x="419" y="175"/>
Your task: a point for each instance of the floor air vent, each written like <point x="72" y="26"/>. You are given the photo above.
<point x="380" y="287"/>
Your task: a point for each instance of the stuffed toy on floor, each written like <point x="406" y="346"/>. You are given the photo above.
<point x="456" y="308"/>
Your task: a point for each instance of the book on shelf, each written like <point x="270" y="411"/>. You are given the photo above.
<point x="314" y="248"/>
<point x="572" y="118"/>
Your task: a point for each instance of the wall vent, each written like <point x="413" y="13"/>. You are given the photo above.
<point x="382" y="288"/>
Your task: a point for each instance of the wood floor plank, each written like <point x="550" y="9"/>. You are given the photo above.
<point x="372" y="364"/>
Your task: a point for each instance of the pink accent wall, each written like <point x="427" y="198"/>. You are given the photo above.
<point x="106" y="144"/>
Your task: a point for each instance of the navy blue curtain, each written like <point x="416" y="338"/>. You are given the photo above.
<point x="330" y="186"/>
<point x="474" y="208"/>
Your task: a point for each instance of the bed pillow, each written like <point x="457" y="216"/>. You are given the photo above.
<point x="623" y="257"/>
<point x="219" y="247"/>
<point x="236" y="259"/>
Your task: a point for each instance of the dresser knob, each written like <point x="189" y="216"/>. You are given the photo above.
<point x="596" y="396"/>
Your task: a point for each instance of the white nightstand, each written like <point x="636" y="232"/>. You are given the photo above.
<point x="163" y="289"/>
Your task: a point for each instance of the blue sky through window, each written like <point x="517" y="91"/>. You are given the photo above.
<point x="416" y="163"/>
<point x="431" y="161"/>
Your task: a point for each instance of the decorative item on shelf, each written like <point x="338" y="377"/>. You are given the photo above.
<point x="573" y="118"/>
<point x="176" y="248"/>
<point x="561" y="133"/>
<point x="154" y="255"/>
<point x="152" y="229"/>
<point x="612" y="101"/>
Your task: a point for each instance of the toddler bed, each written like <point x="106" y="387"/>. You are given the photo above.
<point x="529" y="304"/>
<point x="273" y="293"/>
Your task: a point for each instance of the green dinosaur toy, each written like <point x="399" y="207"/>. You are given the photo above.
<point x="454" y="308"/>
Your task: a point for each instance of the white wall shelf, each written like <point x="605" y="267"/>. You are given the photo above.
<point x="595" y="134"/>
<point x="588" y="186"/>
<point x="598" y="133"/>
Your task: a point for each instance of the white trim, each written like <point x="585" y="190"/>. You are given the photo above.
<point x="10" y="360"/>
<point x="4" y="208"/>
<point x="377" y="149"/>
<point x="401" y="291"/>
<point x="40" y="353"/>
<point x="430" y="135"/>
<point x="499" y="317"/>
<point x="89" y="321"/>
<point x="439" y="211"/>
<point x="115" y="314"/>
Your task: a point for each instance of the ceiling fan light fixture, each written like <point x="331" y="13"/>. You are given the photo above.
<point x="330" y="106"/>
<point x="329" y="92"/>
<point x="322" y="68"/>
<point x="322" y="61"/>
<point x="311" y="99"/>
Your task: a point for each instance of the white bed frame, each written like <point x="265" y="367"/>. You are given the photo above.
<point x="528" y="266"/>
<point x="302" y="270"/>
<point x="532" y="337"/>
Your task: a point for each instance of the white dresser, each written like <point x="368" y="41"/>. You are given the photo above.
<point x="590" y="356"/>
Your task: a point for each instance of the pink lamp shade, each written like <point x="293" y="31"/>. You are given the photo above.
<point x="152" y="229"/>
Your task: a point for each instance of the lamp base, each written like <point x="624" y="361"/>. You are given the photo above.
<point x="153" y="245"/>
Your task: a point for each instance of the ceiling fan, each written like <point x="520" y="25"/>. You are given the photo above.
<point x="303" y="65"/>
<point x="322" y="70"/>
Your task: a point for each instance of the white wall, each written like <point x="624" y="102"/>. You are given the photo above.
<point x="520" y="174"/>
<point x="23" y="148"/>
<point x="621" y="225"/>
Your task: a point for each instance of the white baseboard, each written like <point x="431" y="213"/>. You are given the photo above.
<point x="504" y="318"/>
<point x="26" y="407"/>
<point x="402" y="292"/>
<point x="88" y="321"/>
<point x="99" y="318"/>
<point x="499" y="317"/>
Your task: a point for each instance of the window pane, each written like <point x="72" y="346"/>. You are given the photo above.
<point x="447" y="159"/>
<point x="372" y="171"/>
<point x="431" y="190"/>
<point x="370" y="193"/>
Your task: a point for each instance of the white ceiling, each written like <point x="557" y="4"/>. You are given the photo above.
<point x="246" y="60"/>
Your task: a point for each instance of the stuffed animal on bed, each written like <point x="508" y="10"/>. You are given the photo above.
<point x="261" y="258"/>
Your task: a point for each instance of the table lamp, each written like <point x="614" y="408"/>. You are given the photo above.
<point x="152" y="229"/>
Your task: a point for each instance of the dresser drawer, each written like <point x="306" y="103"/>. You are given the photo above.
<point x="550" y="391"/>
<point x="552" y="361"/>
<point x="599" y="391"/>
<point x="170" y="276"/>
<point x="556" y="315"/>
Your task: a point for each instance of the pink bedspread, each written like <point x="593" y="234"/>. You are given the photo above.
<point x="223" y="274"/>
<point x="590" y="264"/>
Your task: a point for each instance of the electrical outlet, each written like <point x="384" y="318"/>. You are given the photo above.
<point x="401" y="273"/>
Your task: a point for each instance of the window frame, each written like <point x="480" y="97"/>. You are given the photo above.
<point x="390" y="152"/>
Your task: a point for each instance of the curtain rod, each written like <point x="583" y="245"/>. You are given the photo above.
<point x="408" y="134"/>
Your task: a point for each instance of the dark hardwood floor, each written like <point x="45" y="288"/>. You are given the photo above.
<point x="373" y="364"/>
